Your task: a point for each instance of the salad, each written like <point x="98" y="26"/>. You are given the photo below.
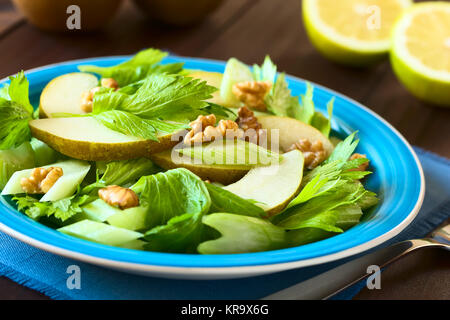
<point x="149" y="155"/>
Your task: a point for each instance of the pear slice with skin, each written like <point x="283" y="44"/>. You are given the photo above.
<point x="86" y="139"/>
<point x="63" y="94"/>
<point x="283" y="132"/>
<point x="215" y="173"/>
<point x="213" y="79"/>
<point x="272" y="187"/>
<point x="74" y="172"/>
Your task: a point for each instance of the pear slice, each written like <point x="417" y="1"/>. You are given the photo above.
<point x="86" y="139"/>
<point x="74" y="172"/>
<point x="290" y="131"/>
<point x="63" y="94"/>
<point x="272" y="187"/>
<point x="216" y="173"/>
<point x="213" y="79"/>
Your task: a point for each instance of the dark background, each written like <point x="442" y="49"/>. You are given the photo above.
<point x="248" y="30"/>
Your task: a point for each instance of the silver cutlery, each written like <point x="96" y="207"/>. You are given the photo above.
<point x="337" y="279"/>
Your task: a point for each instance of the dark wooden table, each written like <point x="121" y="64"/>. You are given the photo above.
<point x="249" y="29"/>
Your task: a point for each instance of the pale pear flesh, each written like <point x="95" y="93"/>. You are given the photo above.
<point x="214" y="173"/>
<point x="272" y="187"/>
<point x="63" y="94"/>
<point x="87" y="139"/>
<point x="283" y="132"/>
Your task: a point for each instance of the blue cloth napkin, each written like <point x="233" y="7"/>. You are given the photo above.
<point x="46" y="272"/>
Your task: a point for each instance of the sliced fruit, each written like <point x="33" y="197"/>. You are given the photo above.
<point x="86" y="139"/>
<point x="213" y="79"/>
<point x="272" y="187"/>
<point x="283" y="132"/>
<point x="420" y="53"/>
<point x="217" y="173"/>
<point x="353" y="32"/>
<point x="230" y="153"/>
<point x="100" y="233"/>
<point x="13" y="160"/>
<point x="74" y="172"/>
<point x="43" y="154"/>
<point x="235" y="72"/>
<point x="63" y="94"/>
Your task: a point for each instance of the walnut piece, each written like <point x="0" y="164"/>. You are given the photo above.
<point x="41" y="180"/>
<point x="313" y="153"/>
<point x="252" y="93"/>
<point x="203" y="130"/>
<point x="363" y="166"/>
<point x="118" y="196"/>
<point x="87" y="97"/>
<point x="249" y="123"/>
<point x="109" y="83"/>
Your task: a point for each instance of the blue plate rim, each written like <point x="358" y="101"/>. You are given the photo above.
<point x="195" y="270"/>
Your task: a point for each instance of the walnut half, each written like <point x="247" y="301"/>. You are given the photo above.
<point x="363" y="166"/>
<point x="313" y="153"/>
<point x="252" y="93"/>
<point x="87" y="97"/>
<point x="203" y="130"/>
<point x="252" y="128"/>
<point x="41" y="180"/>
<point x="118" y="196"/>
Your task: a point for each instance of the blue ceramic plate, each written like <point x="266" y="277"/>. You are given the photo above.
<point x="397" y="179"/>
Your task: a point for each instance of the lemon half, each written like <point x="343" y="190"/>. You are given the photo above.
<point x="421" y="51"/>
<point x="352" y="32"/>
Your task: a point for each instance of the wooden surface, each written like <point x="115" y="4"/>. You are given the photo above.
<point x="249" y="29"/>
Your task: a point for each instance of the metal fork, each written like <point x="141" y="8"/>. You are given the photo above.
<point x="335" y="280"/>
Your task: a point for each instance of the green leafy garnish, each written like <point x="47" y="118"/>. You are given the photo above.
<point x="15" y="159"/>
<point x="322" y="123"/>
<point x="137" y="68"/>
<point x="226" y="201"/>
<point x="16" y="111"/>
<point x="128" y="124"/>
<point x="266" y="72"/>
<point x="159" y="96"/>
<point x="126" y="172"/>
<point x="178" y="200"/>
<point x="62" y="209"/>
<point x="344" y="149"/>
<point x="305" y="112"/>
<point x="331" y="199"/>
<point x="281" y="102"/>
<point x="323" y="211"/>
